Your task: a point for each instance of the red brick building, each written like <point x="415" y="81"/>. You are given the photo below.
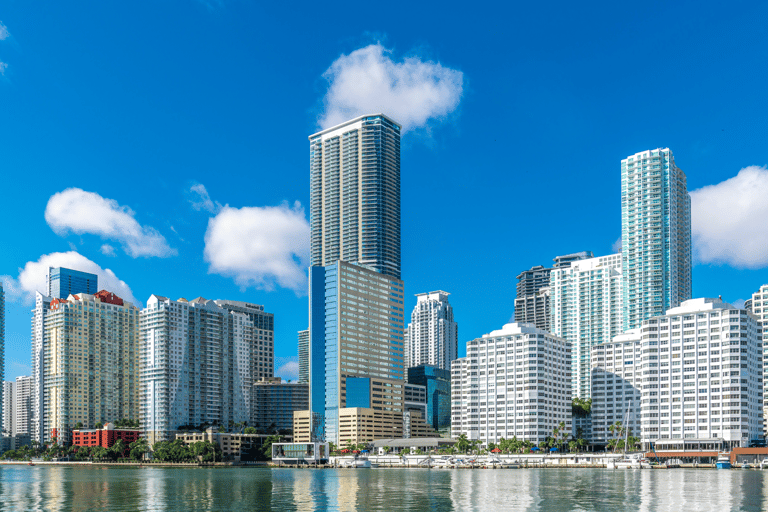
<point x="106" y="436"/>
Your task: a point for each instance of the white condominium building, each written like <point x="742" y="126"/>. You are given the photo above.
<point x="198" y="365"/>
<point x="702" y="374"/>
<point x="655" y="235"/>
<point x="432" y="335"/>
<point x="513" y="382"/>
<point x="617" y="382"/>
<point x="585" y="309"/>
<point x="758" y="305"/>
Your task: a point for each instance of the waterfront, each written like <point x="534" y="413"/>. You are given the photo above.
<point x="71" y="488"/>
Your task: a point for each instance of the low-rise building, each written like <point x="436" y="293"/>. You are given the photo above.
<point x="374" y="409"/>
<point x="513" y="382"/>
<point x="234" y="446"/>
<point x="106" y="436"/>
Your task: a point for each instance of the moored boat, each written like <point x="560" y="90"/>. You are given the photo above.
<point x="723" y="461"/>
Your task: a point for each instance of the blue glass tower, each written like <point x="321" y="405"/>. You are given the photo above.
<point x="63" y="282"/>
<point x="438" y="384"/>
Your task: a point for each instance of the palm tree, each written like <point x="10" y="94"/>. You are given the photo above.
<point x="462" y="444"/>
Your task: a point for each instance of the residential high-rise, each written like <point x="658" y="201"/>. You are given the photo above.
<point x="92" y="372"/>
<point x="39" y="342"/>
<point x="304" y="355"/>
<point x="532" y="303"/>
<point x="199" y="361"/>
<point x="585" y="309"/>
<point x="655" y="235"/>
<point x="432" y="336"/>
<point x="63" y="282"/>
<point x="274" y="403"/>
<point x="617" y="383"/>
<point x="2" y="350"/>
<point x="758" y="305"/>
<point x="9" y="425"/>
<point x="356" y="330"/>
<point x="513" y="382"/>
<point x="703" y="376"/>
<point x="23" y="393"/>
<point x="260" y="342"/>
<point x="355" y="194"/>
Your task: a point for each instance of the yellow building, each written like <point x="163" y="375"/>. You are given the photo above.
<point x="91" y="370"/>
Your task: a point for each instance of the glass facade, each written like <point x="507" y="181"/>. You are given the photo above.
<point x="438" y="384"/>
<point x="63" y="282"/>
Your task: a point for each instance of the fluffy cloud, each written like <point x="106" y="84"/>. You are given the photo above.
<point x="33" y="276"/>
<point x="3" y="67"/>
<point x="368" y="81"/>
<point x="200" y="200"/>
<point x="728" y="220"/>
<point x="3" y="32"/>
<point x="260" y="246"/>
<point x="288" y="368"/>
<point x="77" y="211"/>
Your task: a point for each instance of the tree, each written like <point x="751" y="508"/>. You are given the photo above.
<point x="266" y="448"/>
<point x="250" y="430"/>
<point x="386" y="449"/>
<point x="79" y="425"/>
<point x="117" y="450"/>
<point x="138" y="448"/>
<point x="99" y="425"/>
<point x="573" y="446"/>
<point x="462" y="443"/>
<point x="99" y="452"/>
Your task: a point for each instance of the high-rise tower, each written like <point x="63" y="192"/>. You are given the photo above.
<point x="432" y="335"/>
<point x="655" y="235"/>
<point x="355" y="194"/>
<point x="63" y="282"/>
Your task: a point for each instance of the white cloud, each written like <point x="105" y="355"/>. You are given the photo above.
<point x="616" y="246"/>
<point x="3" y="32"/>
<point x="107" y="250"/>
<point x="738" y="303"/>
<point x="32" y="277"/>
<point x="288" y="368"/>
<point x="201" y="200"/>
<point x="728" y="220"/>
<point x="368" y="81"/>
<point x="260" y="246"/>
<point x="3" y="67"/>
<point x="77" y="211"/>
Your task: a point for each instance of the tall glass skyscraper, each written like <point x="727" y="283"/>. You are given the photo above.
<point x="2" y="343"/>
<point x="355" y="194"/>
<point x="655" y="235"/>
<point x="63" y="282"/>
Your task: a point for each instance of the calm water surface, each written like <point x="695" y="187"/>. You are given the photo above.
<point x="113" y="489"/>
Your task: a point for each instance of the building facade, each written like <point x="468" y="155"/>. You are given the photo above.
<point x="758" y="305"/>
<point x="702" y="374"/>
<point x="655" y="235"/>
<point x="2" y="352"/>
<point x="106" y="436"/>
<point x="304" y="356"/>
<point x="586" y="310"/>
<point x="92" y="371"/>
<point x="9" y="425"/>
<point x="355" y="194"/>
<point x="432" y="336"/>
<point x="275" y="402"/>
<point x="373" y="409"/>
<point x="356" y="330"/>
<point x="198" y="366"/>
<point x="437" y="383"/>
<point x="617" y="383"/>
<point x="23" y="394"/>
<point x="259" y="335"/>
<point x="63" y="282"/>
<point x="39" y="316"/>
<point x="515" y="381"/>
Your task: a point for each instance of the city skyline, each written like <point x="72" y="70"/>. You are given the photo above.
<point x="154" y="169"/>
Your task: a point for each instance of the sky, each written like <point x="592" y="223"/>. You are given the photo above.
<point x="164" y="145"/>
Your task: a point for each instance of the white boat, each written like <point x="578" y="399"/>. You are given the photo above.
<point x="763" y="463"/>
<point x="746" y="465"/>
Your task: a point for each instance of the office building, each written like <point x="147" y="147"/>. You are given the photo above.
<point x="437" y="383"/>
<point x="356" y="330"/>
<point x="106" y="436"/>
<point x="617" y="381"/>
<point x="260" y="341"/>
<point x="355" y="194"/>
<point x="275" y="402"/>
<point x="63" y="282"/>
<point x="532" y="303"/>
<point x="703" y="377"/>
<point x="585" y="309"/>
<point x="432" y="336"/>
<point x="515" y="381"/>
<point x="304" y="356"/>
<point x="655" y="235"/>
<point x="373" y="409"/>
<point x="758" y="306"/>
<point x="199" y="361"/>
<point x="92" y="371"/>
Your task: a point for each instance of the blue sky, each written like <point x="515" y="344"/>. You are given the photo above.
<point x="167" y="141"/>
